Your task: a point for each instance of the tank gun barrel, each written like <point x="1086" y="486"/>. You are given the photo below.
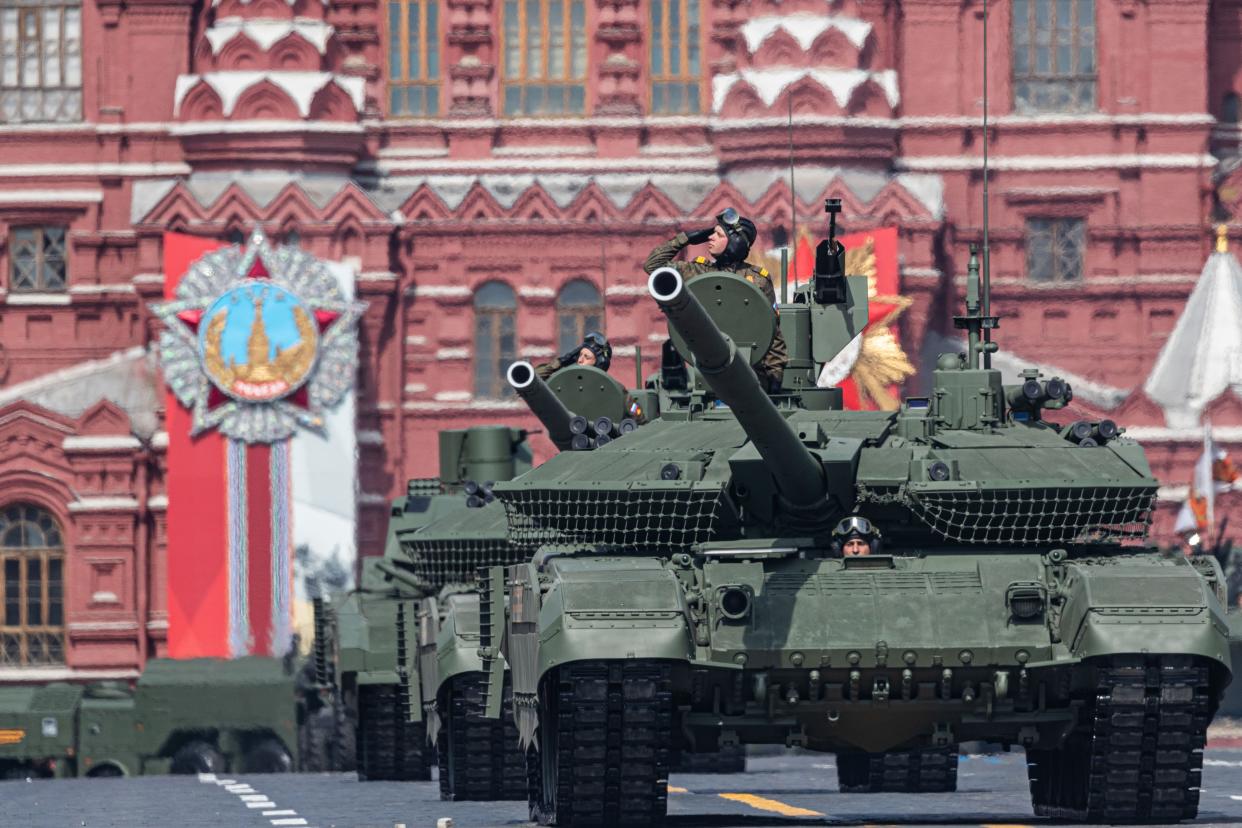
<point x="545" y="405"/>
<point x="798" y="473"/>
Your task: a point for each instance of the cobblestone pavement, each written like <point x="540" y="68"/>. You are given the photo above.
<point x="787" y="790"/>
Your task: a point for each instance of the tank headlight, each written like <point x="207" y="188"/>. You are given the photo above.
<point x="1025" y="600"/>
<point x="939" y="471"/>
<point x="734" y="602"/>
<point x="670" y="471"/>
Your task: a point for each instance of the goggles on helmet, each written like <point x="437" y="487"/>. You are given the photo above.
<point x="595" y="338"/>
<point x="729" y="218"/>
<point x="854" y="525"/>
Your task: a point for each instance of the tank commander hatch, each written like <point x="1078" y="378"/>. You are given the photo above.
<point x="594" y="350"/>
<point x="728" y="242"/>
<point x="854" y="536"/>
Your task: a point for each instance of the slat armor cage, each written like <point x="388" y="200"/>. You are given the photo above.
<point x="1033" y="516"/>
<point x="663" y="517"/>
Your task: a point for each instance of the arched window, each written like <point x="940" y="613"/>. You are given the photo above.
<point x="495" y="338"/>
<point x="32" y="558"/>
<point x="578" y="310"/>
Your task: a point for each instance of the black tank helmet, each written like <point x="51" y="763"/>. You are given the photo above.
<point x="856" y="526"/>
<point x="741" y="233"/>
<point x="598" y="345"/>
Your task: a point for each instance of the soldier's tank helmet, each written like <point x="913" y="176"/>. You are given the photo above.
<point x="598" y="345"/>
<point x="741" y="232"/>
<point x="855" y="526"/>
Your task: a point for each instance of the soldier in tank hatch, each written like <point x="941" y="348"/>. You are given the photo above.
<point x="594" y="350"/>
<point x="855" y="535"/>
<point x="728" y="242"/>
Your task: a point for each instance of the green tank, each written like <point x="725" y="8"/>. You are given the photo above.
<point x="191" y="716"/>
<point x="366" y="665"/>
<point x="683" y="591"/>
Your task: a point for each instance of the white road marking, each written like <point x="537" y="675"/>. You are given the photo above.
<point x="1234" y="797"/>
<point x="252" y="797"/>
<point x="226" y="781"/>
<point x="206" y="777"/>
<point x="298" y="821"/>
<point x="239" y="789"/>
<point x="267" y="803"/>
<point x="285" y="812"/>
<point x="1223" y="763"/>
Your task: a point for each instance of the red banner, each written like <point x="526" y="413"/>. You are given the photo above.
<point x="198" y="591"/>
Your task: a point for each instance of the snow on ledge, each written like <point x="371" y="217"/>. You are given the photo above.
<point x="804" y="28"/>
<point x="266" y="32"/>
<point x="301" y="87"/>
<point x="770" y="83"/>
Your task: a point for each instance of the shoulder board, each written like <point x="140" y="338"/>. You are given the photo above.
<point x="763" y="272"/>
<point x="700" y="260"/>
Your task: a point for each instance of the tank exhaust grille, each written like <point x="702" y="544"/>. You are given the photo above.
<point x="437" y="562"/>
<point x="665" y="519"/>
<point x="1078" y="514"/>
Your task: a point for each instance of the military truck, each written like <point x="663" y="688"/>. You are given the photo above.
<point x="182" y="716"/>
<point x="684" y="591"/>
<point x="365" y="642"/>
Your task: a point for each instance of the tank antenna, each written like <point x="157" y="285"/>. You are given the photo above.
<point x="793" y="201"/>
<point x="986" y="298"/>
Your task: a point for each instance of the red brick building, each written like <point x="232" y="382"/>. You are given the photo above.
<point x="497" y="170"/>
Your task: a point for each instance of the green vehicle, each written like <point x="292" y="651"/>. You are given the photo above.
<point x="192" y="716"/>
<point x="365" y="641"/>
<point x="685" y="591"/>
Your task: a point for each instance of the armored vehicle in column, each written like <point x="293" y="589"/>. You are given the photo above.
<point x="365" y="642"/>
<point x="197" y="715"/>
<point x="685" y="590"/>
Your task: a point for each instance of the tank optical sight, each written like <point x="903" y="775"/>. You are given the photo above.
<point x="673" y="373"/>
<point x="829" y="279"/>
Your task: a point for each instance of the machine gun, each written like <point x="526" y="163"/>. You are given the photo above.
<point x="828" y="283"/>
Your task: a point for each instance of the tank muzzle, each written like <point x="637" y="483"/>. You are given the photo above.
<point x="734" y="603"/>
<point x="520" y="375"/>
<point x="665" y="284"/>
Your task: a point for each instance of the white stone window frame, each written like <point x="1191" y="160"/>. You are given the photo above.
<point x="40" y="61"/>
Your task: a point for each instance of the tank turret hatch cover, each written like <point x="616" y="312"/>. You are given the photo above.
<point x="738" y="308"/>
<point x="589" y="392"/>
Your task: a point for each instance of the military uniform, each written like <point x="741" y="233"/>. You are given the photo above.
<point x="545" y="371"/>
<point x="773" y="363"/>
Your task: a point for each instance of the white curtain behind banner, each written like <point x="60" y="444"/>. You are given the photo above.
<point x="324" y="468"/>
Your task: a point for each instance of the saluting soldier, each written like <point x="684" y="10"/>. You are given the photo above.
<point x="594" y="350"/>
<point x="728" y="242"/>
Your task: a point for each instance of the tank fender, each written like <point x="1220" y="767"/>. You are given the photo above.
<point x="616" y="608"/>
<point x="1168" y="607"/>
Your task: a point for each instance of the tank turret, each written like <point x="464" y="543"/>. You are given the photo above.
<point x="798" y="472"/>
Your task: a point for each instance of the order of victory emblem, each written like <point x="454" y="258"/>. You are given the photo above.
<point x="259" y="341"/>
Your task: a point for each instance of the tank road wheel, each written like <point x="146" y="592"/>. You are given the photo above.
<point x="1137" y="755"/>
<point x="268" y="756"/>
<point x="388" y="747"/>
<point x="197" y="757"/>
<point x="731" y="759"/>
<point x="602" y="758"/>
<point x="479" y="758"/>
<point x="915" y="771"/>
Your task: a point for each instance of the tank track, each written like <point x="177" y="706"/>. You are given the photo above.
<point x="1137" y="755"/>
<point x="389" y="747"/>
<point x="915" y="771"/>
<point x="610" y="724"/>
<point x="479" y="758"/>
<point x="730" y="759"/>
